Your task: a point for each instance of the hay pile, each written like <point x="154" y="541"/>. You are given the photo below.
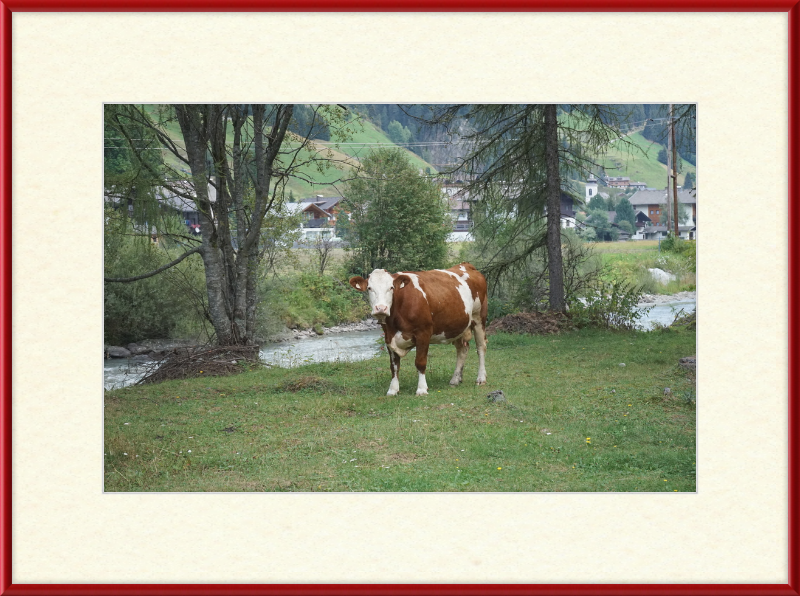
<point x="534" y="323"/>
<point x="202" y="361"/>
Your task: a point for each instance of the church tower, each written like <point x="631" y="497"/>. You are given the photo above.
<point x="591" y="188"/>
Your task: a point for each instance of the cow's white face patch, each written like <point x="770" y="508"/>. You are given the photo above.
<point x="380" y="287"/>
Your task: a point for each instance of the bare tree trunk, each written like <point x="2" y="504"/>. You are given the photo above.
<point x="195" y="135"/>
<point x="554" y="257"/>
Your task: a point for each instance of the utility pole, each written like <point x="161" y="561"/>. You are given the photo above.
<point x="669" y="177"/>
<point x="674" y="169"/>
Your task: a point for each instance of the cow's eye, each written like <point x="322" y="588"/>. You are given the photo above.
<point x="369" y="288"/>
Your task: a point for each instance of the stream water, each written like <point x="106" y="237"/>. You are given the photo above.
<point x="351" y="346"/>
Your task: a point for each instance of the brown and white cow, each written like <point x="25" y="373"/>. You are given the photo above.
<point x="416" y="309"/>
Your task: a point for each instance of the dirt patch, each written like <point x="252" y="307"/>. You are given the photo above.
<point x="309" y="382"/>
<point x="364" y="445"/>
<point x="533" y="323"/>
<point x="402" y="458"/>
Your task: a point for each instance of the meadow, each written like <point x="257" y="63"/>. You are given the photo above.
<point x="585" y="410"/>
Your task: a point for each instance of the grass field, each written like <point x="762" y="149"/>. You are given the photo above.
<point x="641" y="167"/>
<point x="309" y="179"/>
<point x="574" y="420"/>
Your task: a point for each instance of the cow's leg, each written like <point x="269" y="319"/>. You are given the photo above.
<point x="462" y="349"/>
<point x="480" y="340"/>
<point x="394" y="366"/>
<point x="422" y="362"/>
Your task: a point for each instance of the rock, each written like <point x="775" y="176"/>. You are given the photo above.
<point x="117" y="352"/>
<point x="622" y="364"/>
<point x="138" y="349"/>
<point x="667" y="391"/>
<point x="662" y="276"/>
<point x="496" y="396"/>
<point x="164" y="345"/>
<point x="689" y="362"/>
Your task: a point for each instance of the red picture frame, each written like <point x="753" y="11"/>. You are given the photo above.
<point x="7" y="7"/>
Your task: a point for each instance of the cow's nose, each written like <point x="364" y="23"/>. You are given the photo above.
<point x="381" y="309"/>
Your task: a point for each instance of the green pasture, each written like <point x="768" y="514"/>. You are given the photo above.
<point x="584" y="411"/>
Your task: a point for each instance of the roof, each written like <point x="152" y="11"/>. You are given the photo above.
<point x="311" y="206"/>
<point x="324" y="203"/>
<point x="167" y="196"/>
<point x="659" y="197"/>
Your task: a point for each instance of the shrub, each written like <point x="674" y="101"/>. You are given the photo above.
<point x="308" y="300"/>
<point x="167" y="305"/>
<point x="609" y="305"/>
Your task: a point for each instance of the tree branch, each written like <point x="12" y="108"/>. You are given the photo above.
<point x="196" y="249"/>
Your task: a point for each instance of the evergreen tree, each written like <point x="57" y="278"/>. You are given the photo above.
<point x="518" y="157"/>
<point x="625" y="212"/>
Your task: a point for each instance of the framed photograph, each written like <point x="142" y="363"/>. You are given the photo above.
<point x="68" y="528"/>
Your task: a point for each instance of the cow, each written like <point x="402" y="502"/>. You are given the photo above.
<point x="416" y="309"/>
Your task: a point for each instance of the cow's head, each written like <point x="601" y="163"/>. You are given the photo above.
<point x="380" y="286"/>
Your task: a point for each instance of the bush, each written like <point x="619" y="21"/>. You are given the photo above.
<point x="307" y="300"/>
<point x="608" y="305"/>
<point x="167" y="305"/>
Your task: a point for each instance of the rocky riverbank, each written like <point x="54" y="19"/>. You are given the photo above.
<point x="156" y="348"/>
<point x="147" y="349"/>
<point x="656" y="299"/>
<point x="293" y="334"/>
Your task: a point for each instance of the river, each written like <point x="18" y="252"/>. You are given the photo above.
<point x="350" y="346"/>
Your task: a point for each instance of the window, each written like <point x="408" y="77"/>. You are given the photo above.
<point x="590" y="192"/>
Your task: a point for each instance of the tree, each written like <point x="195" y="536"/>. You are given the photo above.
<point x="689" y="181"/>
<point x="233" y="165"/>
<point x="399" y="220"/>
<point x="625" y="212"/>
<point x="625" y="226"/>
<point x="398" y="133"/>
<point x="519" y="156"/>
<point x="667" y="209"/>
<point x="602" y="227"/>
<point x="597" y="202"/>
<point x="662" y="155"/>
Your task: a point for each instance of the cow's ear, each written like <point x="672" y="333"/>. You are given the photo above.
<point x="359" y="283"/>
<point x="400" y="281"/>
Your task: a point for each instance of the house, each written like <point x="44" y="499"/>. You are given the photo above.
<point x="318" y="215"/>
<point x="638" y="185"/>
<point x="649" y="203"/>
<point x="458" y="197"/>
<point x="660" y="232"/>
<point x="177" y="199"/>
<point x="618" y="182"/>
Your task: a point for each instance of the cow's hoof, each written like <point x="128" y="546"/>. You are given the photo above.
<point x="479" y="382"/>
<point x="455" y="382"/>
<point x="390" y="392"/>
<point x="421" y="392"/>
